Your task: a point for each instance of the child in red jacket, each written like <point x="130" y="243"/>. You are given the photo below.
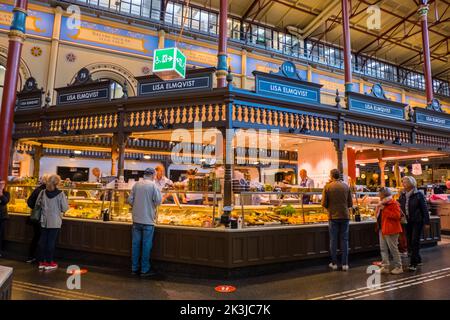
<point x="388" y="219"/>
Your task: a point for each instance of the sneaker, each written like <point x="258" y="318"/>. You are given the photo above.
<point x="148" y="274"/>
<point x="31" y="260"/>
<point x="333" y="266"/>
<point x="412" y="268"/>
<point x="345" y="267"/>
<point x="383" y="270"/>
<point x="42" y="266"/>
<point x="397" y="270"/>
<point x="51" y="266"/>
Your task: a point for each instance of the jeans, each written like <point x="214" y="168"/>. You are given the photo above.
<point x="339" y="230"/>
<point x="413" y="233"/>
<point x="47" y="244"/>
<point x="389" y="243"/>
<point x="142" y="241"/>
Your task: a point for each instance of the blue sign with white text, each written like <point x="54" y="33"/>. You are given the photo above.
<point x="432" y="120"/>
<point x="376" y="109"/>
<point x="285" y="91"/>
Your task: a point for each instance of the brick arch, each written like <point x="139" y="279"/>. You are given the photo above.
<point x="24" y="71"/>
<point x="114" y="72"/>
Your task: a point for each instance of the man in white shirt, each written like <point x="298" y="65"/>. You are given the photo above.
<point x="145" y="197"/>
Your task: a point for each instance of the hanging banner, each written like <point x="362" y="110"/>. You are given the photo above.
<point x="416" y="169"/>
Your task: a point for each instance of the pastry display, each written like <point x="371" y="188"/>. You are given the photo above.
<point x="191" y="217"/>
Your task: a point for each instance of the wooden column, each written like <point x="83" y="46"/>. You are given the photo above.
<point x="114" y="154"/>
<point x="16" y="38"/>
<point x="122" y="143"/>
<point x="397" y="175"/>
<point x="38" y="152"/>
<point x="381" y="165"/>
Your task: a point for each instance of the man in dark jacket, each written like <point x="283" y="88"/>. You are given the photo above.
<point x="32" y="250"/>
<point x="4" y="199"/>
<point x="414" y="205"/>
<point x="337" y="199"/>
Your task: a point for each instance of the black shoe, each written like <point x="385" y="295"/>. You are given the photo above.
<point x="412" y="268"/>
<point x="135" y="273"/>
<point x="150" y="273"/>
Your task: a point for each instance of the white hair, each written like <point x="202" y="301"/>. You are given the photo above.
<point x="411" y="180"/>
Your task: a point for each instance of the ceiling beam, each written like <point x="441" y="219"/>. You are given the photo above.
<point x="439" y="43"/>
<point x="393" y="28"/>
<point x="250" y="9"/>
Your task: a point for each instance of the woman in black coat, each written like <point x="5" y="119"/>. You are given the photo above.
<point x="414" y="205"/>
<point x="4" y="199"/>
<point x="33" y="248"/>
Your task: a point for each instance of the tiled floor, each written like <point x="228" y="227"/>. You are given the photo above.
<point x="432" y="281"/>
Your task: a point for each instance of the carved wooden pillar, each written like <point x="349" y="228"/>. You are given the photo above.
<point x="114" y="154"/>
<point x="38" y="152"/>
<point x="382" y="165"/>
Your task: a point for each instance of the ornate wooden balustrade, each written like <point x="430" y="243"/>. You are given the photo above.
<point x="224" y="108"/>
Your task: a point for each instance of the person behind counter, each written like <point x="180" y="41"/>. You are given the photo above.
<point x="389" y="229"/>
<point x="53" y="203"/>
<point x="306" y="182"/>
<point x="337" y="199"/>
<point x="4" y="199"/>
<point x="414" y="205"/>
<point x="31" y="202"/>
<point x="191" y="198"/>
<point x="144" y="198"/>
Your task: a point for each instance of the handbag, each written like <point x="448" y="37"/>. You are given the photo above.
<point x="36" y="213"/>
<point x="403" y="219"/>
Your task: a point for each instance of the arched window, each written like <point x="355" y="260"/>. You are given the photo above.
<point x="116" y="88"/>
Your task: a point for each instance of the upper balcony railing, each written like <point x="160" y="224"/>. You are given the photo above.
<point x="205" y="22"/>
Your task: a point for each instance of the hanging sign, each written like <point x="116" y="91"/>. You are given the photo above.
<point x="286" y="84"/>
<point x="376" y="104"/>
<point x="30" y="97"/>
<point x="84" y="90"/>
<point x="196" y="80"/>
<point x="432" y="118"/>
<point x="416" y="169"/>
<point x="169" y="63"/>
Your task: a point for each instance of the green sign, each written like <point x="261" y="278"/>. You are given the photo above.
<point x="169" y="63"/>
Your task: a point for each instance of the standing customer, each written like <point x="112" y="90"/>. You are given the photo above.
<point x="4" y="199"/>
<point x="414" y="205"/>
<point x="31" y="202"/>
<point x="337" y="199"/>
<point x="145" y="197"/>
<point x="389" y="228"/>
<point x="53" y="203"/>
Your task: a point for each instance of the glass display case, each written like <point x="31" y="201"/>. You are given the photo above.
<point x="172" y="211"/>
<point x="19" y="196"/>
<point x="258" y="209"/>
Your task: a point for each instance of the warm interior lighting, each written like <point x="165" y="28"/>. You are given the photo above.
<point x="425" y="159"/>
<point x="147" y="157"/>
<point x="78" y="152"/>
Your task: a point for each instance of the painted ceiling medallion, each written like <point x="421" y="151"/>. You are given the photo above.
<point x="145" y="70"/>
<point x="70" y="57"/>
<point x="36" y="51"/>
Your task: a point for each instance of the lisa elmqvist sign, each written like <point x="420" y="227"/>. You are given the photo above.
<point x="287" y="85"/>
<point x="169" y="63"/>
<point x="84" y="90"/>
<point x="432" y="118"/>
<point x="196" y="80"/>
<point x="376" y="104"/>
